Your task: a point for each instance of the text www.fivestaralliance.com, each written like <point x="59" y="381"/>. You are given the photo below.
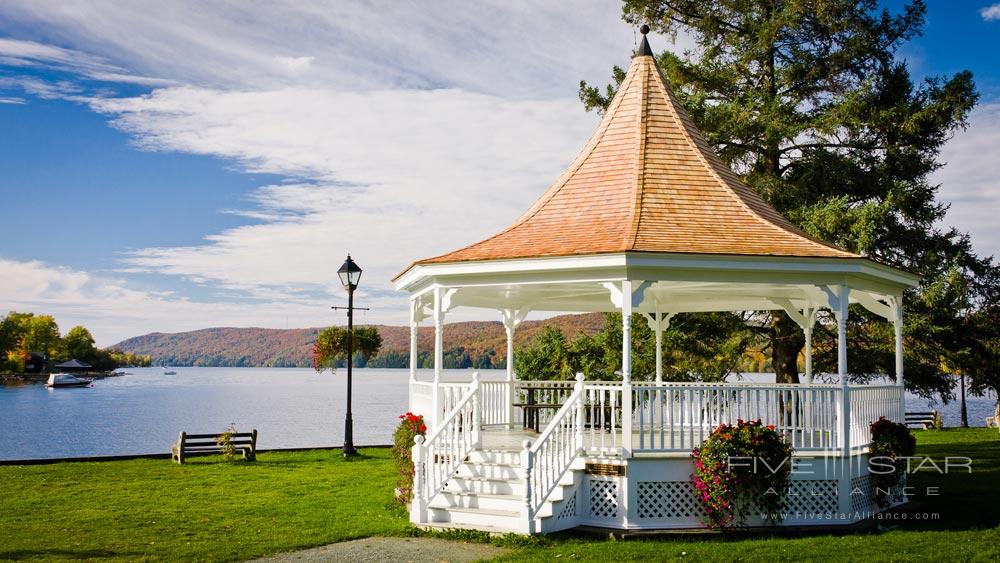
<point x="854" y="516"/>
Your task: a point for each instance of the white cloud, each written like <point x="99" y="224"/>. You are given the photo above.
<point x="114" y="311"/>
<point x="398" y="141"/>
<point x="21" y="53"/>
<point x="523" y="50"/>
<point x="393" y="175"/>
<point x="991" y="13"/>
<point x="971" y="178"/>
<point x="11" y="100"/>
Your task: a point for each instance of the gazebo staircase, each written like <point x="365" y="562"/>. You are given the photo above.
<point x="487" y="493"/>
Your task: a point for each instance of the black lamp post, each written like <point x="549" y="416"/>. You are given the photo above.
<point x="349" y="274"/>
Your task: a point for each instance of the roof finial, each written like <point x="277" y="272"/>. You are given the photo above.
<point x="644" y="50"/>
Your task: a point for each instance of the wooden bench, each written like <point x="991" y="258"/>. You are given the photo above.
<point x="203" y="444"/>
<point x="923" y="418"/>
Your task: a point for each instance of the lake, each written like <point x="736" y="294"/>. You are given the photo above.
<point x="291" y="408"/>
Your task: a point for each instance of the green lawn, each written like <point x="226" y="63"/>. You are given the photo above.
<point x="212" y="510"/>
<point x="204" y="509"/>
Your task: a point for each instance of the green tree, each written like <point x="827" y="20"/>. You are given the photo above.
<point x="548" y="358"/>
<point x="331" y="346"/>
<point x="809" y="103"/>
<point x="42" y="336"/>
<point x="79" y="343"/>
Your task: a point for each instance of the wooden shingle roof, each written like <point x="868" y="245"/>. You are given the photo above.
<point x="647" y="181"/>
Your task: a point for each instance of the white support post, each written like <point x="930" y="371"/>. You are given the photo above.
<point x="477" y="410"/>
<point x="414" y="333"/>
<point x="438" y="356"/>
<point x="897" y="322"/>
<point x="511" y="318"/>
<point x="626" y="369"/>
<point x="527" y="462"/>
<point x="810" y="317"/>
<point x="581" y="413"/>
<point x="809" y="354"/>
<point x="841" y="313"/>
<point x="418" y="506"/>
<point x="659" y="352"/>
<point x="898" y="325"/>
<point x="842" y="302"/>
<point x="658" y="322"/>
<point x="626" y="331"/>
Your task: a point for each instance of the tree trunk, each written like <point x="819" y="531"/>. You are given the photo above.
<point x="787" y="341"/>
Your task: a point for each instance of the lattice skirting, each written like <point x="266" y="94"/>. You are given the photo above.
<point x="604" y="501"/>
<point x="861" y="494"/>
<point x="811" y="496"/>
<point x="668" y="499"/>
<point x="568" y="510"/>
<point x="677" y="500"/>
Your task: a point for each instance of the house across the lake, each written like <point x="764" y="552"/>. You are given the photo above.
<point x="647" y="219"/>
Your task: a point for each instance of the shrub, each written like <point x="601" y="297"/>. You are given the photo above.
<point x="894" y="441"/>
<point x="739" y="469"/>
<point x="225" y="442"/>
<point x="410" y="426"/>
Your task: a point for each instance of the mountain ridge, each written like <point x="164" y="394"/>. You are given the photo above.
<point x="479" y="344"/>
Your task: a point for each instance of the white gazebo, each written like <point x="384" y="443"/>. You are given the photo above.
<point x="647" y="219"/>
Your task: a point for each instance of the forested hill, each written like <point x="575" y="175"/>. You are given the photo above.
<point x="476" y="344"/>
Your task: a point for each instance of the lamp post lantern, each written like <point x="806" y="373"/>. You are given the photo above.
<point x="350" y="275"/>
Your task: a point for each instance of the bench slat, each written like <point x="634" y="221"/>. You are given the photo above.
<point x="213" y="442"/>
<point x="216" y="436"/>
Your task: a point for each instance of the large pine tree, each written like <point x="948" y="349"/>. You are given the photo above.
<point x="809" y="101"/>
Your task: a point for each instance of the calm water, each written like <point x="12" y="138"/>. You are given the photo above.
<point x="143" y="412"/>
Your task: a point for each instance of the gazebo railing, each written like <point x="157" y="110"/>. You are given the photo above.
<point x="677" y="417"/>
<point x="674" y="417"/>
<point x="868" y="403"/>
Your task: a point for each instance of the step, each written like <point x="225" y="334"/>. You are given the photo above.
<point x="507" y="457"/>
<point x="449" y="500"/>
<point x="489" y="529"/>
<point x="506" y="519"/>
<point x="486" y="485"/>
<point x="489" y="470"/>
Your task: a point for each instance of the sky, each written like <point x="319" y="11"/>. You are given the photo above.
<point x="182" y="165"/>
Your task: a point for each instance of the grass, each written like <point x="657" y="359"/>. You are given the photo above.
<point x="212" y="510"/>
<point x="205" y="509"/>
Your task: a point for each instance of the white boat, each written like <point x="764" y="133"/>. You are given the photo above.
<point x="168" y="371"/>
<point x="67" y="380"/>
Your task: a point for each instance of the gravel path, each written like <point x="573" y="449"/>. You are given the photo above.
<point x="415" y="550"/>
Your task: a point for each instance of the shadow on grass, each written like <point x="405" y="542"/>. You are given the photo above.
<point x="963" y="500"/>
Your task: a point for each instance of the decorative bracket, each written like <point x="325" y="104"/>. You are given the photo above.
<point x="658" y="321"/>
<point x="418" y="311"/>
<point x="446" y="297"/>
<point x="512" y="317"/>
<point x="638" y="293"/>
<point x="886" y="311"/>
<point x="834" y="295"/>
<point x="805" y="318"/>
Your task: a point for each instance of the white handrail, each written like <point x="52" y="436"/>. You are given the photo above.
<point x="553" y="453"/>
<point x="436" y="458"/>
